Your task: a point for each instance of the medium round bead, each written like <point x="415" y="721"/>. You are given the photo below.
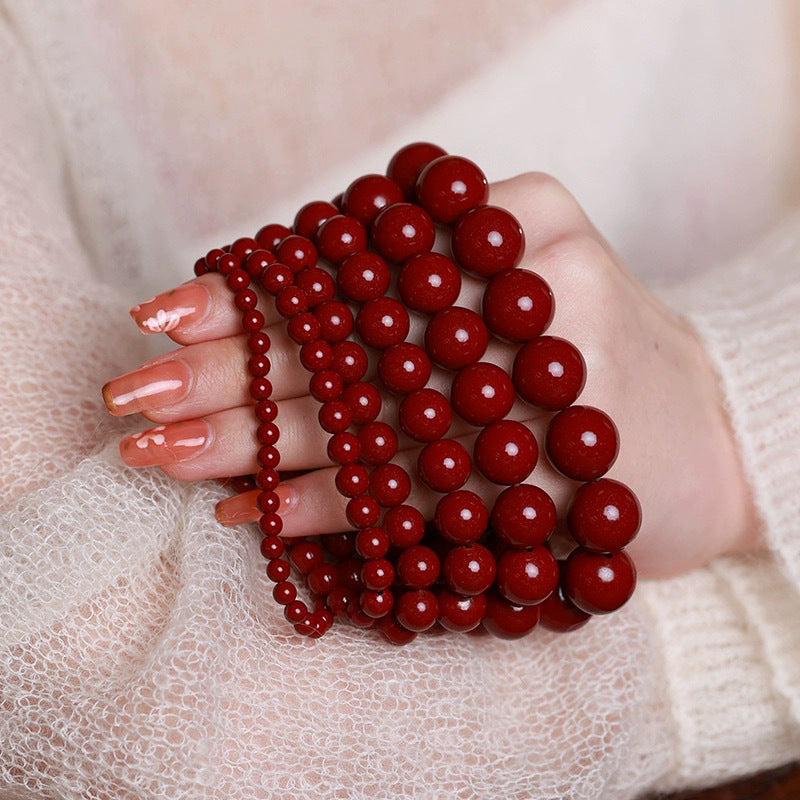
<point x="268" y="433"/>
<point x="506" y="452"/>
<point x="252" y="320"/>
<point x="598" y="583"/>
<point x="488" y="240"/>
<point x="276" y="277"/>
<point x="260" y="388"/>
<point x="404" y="525"/>
<point x="267" y="479"/>
<point x="303" y="327"/>
<point x="363" y="277"/>
<point x="212" y="257"/>
<point x="368" y="195"/>
<point x="482" y="393"/>
<point x="350" y="573"/>
<point x="317" y="285"/>
<point x="404" y="367"/>
<point x="507" y="620"/>
<point x="278" y="569"/>
<point x="378" y="443"/>
<point x="559" y="614"/>
<point x="460" y="614"/>
<point x="228" y="263"/>
<point x="258" y="365"/>
<point x="270" y="236"/>
<point x="402" y="231"/>
<point x="372" y="543"/>
<point x="469" y="569"/>
<point x="200" y="267"/>
<point x="518" y="305"/>
<point x="456" y="337"/>
<point x="284" y="592"/>
<point x="334" y="416"/>
<point x="604" y="515"/>
<point x="245" y="299"/>
<point x="325" y="385"/>
<point x="268" y="502"/>
<point x="393" y="632"/>
<point x="425" y="415"/>
<point x="268" y="456"/>
<point x="461" y="517"/>
<point x="418" y="567"/>
<point x="258" y="261"/>
<point x="417" y="609"/>
<point x="444" y="465"/>
<point x="335" y="319"/>
<point x="357" y="617"/>
<point x="341" y="545"/>
<point x="382" y="322"/>
<point x="526" y="577"/>
<point x="389" y="484"/>
<point x="364" y="401"/>
<point x="339" y="599"/>
<point x="429" y="282"/>
<point x="340" y="237"/>
<point x="306" y="556"/>
<point x="311" y="216"/>
<point x="236" y="280"/>
<point x="352" y="480"/>
<point x="409" y="161"/>
<point x="376" y="604"/>
<point x="272" y="545"/>
<point x="451" y="185"/>
<point x="297" y="252"/>
<point x="582" y="443"/>
<point x="549" y="372"/>
<point x="266" y="410"/>
<point x="290" y="301"/>
<point x="349" y="360"/>
<point x="377" y="574"/>
<point x="315" y="356"/>
<point x="258" y="342"/>
<point x="296" y="611"/>
<point x="523" y="516"/>
<point x="323" y="578"/>
<point x="343" y="448"/>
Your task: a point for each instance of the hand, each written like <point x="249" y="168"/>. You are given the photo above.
<point x="645" y="367"/>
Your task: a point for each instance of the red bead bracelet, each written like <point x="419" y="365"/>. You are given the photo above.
<point x="475" y="567"/>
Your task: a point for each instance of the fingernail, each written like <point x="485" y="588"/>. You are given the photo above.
<point x="242" y="508"/>
<point x="166" y="444"/>
<point x="183" y="306"/>
<point x="151" y="387"/>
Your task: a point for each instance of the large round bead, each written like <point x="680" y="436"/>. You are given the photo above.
<point x="461" y="517"/>
<point x="349" y="360"/>
<point x="482" y="393"/>
<point x="297" y="253"/>
<point x="425" y="415"/>
<point x="417" y="609"/>
<point x="456" y="337"/>
<point x="316" y="283"/>
<point x="429" y="282"/>
<point x="517" y="305"/>
<point x="469" y="569"/>
<point x="604" y="515"/>
<point x="335" y="320"/>
<point x="458" y="613"/>
<point x="368" y="195"/>
<point x="363" y="277"/>
<point x="311" y="216"/>
<point x="340" y="237"/>
<point x="444" y="465"/>
<point x="378" y="443"/>
<point x="523" y="516"/>
<point x="506" y="452"/>
<point x="404" y="525"/>
<point x="382" y="322"/>
<point x="549" y="373"/>
<point x="270" y="236"/>
<point x="451" y="185"/>
<point x="364" y="401"/>
<point x="389" y="484"/>
<point x="559" y="614"/>
<point x="582" y="443"/>
<point x="507" y="620"/>
<point x="404" y="367"/>
<point x="598" y="583"/>
<point x="402" y="231"/>
<point x="418" y="566"/>
<point x="409" y="161"/>
<point x="488" y="240"/>
<point x="526" y="577"/>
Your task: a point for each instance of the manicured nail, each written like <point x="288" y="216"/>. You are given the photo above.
<point x="151" y="387"/>
<point x="239" y="509"/>
<point x="166" y="444"/>
<point x="183" y="306"/>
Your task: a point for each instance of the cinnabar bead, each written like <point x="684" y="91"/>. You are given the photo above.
<point x="296" y="611"/>
<point x="507" y="620"/>
<point x="357" y="617"/>
<point x="268" y="502"/>
<point x="245" y="299"/>
<point x="393" y="632"/>
<point x="350" y="360"/>
<point x="284" y="592"/>
<point x="429" y="282"/>
<point x="417" y="609"/>
<point x="270" y="236"/>
<point x="258" y="365"/>
<point x="352" y="480"/>
<point x="377" y="574"/>
<point x="364" y="401"/>
<point x="582" y="442"/>
<point x="549" y="372"/>
<point x="315" y="356"/>
<point x="258" y="261"/>
<point x="311" y="216"/>
<point x="389" y="484"/>
<point x="469" y="569"/>
<point x="303" y="327"/>
<point x="350" y="573"/>
<point x="456" y="337"/>
<point x="425" y="415"/>
<point x="450" y="185"/>
<point x="458" y="613"/>
<point x="343" y="448"/>
<point x="382" y="322"/>
<point x="482" y="393"/>
<point x="334" y="416"/>
<point x="604" y="515"/>
<point x="340" y="237"/>
<point x="363" y="511"/>
<point x="266" y="410"/>
<point x="260" y="388"/>
<point x="335" y="319"/>
<point x="324" y="618"/>
<point x="506" y="452"/>
<point x="444" y="465"/>
<point x="290" y="301"/>
<point x="488" y="240"/>
<point x="418" y="567"/>
<point x="212" y="257"/>
<point x="368" y="195"/>
<point x="372" y="543"/>
<point x="270" y="524"/>
<point x="306" y="556"/>
<point x="404" y="367"/>
<point x="524" y="516"/>
<point x="323" y="578"/>
<point x="340" y="545"/>
<point x="376" y="604"/>
<point x="297" y="252"/>
<point x="268" y="456"/>
<point x="272" y="546"/>
<point x="363" y="277"/>
<point x="402" y="231"/>
<point x="526" y="577"/>
<point x="325" y="385"/>
<point x="317" y="284"/>
<point x="598" y="583"/>
<point x="267" y="433"/>
<point x="238" y="279"/>
<point x="227" y="263"/>
<point x="518" y="305"/>
<point x="267" y="479"/>
<point x="242" y="483"/>
<point x="559" y="614"/>
<point x="404" y="525"/>
<point x="339" y="599"/>
<point x="278" y="569"/>
<point x="378" y="443"/>
<point x="252" y="320"/>
<point x="461" y="517"/>
<point x="200" y="267"/>
<point x="276" y="277"/>
<point x="258" y="342"/>
<point x="409" y="161"/>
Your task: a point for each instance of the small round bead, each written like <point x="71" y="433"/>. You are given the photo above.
<point x="339" y="237"/>
<point x="598" y="583"/>
<point x="363" y="511"/>
<point x="456" y="337"/>
<point x="429" y="282"/>
<point x="266" y="410"/>
<point x="409" y="161"/>
<point x="228" y="263"/>
<point x="425" y="415"/>
<point x="482" y="393"/>
<point x="461" y="517"/>
<point x="444" y="465"/>
<point x="317" y="284"/>
<point x="315" y="356"/>
<point x="488" y="240"/>
<point x="382" y="322"/>
<point x="363" y="277"/>
<point x="350" y="360"/>
<point x="272" y="545"/>
<point x="258" y="365"/>
<point x="549" y="373"/>
<point x="306" y="556"/>
<point x="267" y="479"/>
<point x="507" y="620"/>
<point x="338" y="600"/>
<point x="245" y="299"/>
<point x="260" y="388"/>
<point x="200" y="267"/>
<point x="372" y="543"/>
<point x="404" y="525"/>
<point x="270" y="236"/>
<point x="325" y="385"/>
<point x="524" y="516"/>
<point x="458" y="613"/>
<point x="350" y="573"/>
<point x="404" y="367"/>
<point x="402" y="231"/>
<point x="469" y="569"/>
<point x="364" y="401"/>
<point x="378" y="443"/>
<point x="267" y="433"/>
<point x="604" y="515"/>
<point x="449" y="186"/>
<point x="343" y="448"/>
<point x="518" y="305"/>
<point x="284" y="592"/>
<point x="212" y="257"/>
<point x="582" y="442"/>
<point x="268" y="502"/>
<point x="559" y="614"/>
<point x="290" y="301"/>
<point x="278" y="569"/>
<point x="417" y="609"/>
<point x="296" y="611"/>
<point x="323" y="578"/>
<point x="335" y="319"/>
<point x="377" y="574"/>
<point x="303" y="327"/>
<point x="526" y="577"/>
<point x="252" y="320"/>
<point x="393" y="632"/>
<point x="506" y="452"/>
<point x="334" y="416"/>
<point x="276" y="277"/>
<point x="297" y="253"/>
<point x="352" y="480"/>
<point x="418" y="567"/>
<point x="258" y="342"/>
<point x="311" y="216"/>
<point x="268" y="456"/>
<point x="341" y="545"/>
<point x="368" y="195"/>
<point x="389" y="484"/>
<point x="236" y="280"/>
<point x="376" y="604"/>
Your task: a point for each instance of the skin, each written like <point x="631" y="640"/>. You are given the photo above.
<point x="646" y="368"/>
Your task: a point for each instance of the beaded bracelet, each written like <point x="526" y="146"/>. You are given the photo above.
<point x="472" y="569"/>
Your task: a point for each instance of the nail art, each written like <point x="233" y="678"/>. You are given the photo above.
<point x="166" y="444"/>
<point x="183" y="306"/>
<point x="155" y="386"/>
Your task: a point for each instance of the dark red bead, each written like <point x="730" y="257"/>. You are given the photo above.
<point x="266" y="410"/>
<point x="258" y="365"/>
<point x="340" y="237"/>
<point x="364" y="401"/>
<point x="268" y="502"/>
<point x="212" y="257"/>
<point x="272" y="546"/>
<point x="252" y="320"/>
<point x="338" y="600"/>
<point x="429" y="282"/>
<point x="408" y="162"/>
<point x="296" y="611"/>
<point x="260" y="388"/>
<point x="290" y="301"/>
<point x="368" y="195"/>
<point x="323" y="578"/>
<point x="604" y="515"/>
<point x="236" y="280"/>
<point x="350" y="573"/>
<point x="469" y="569"/>
<point x="549" y="372"/>
<point x="418" y="567"/>
<point x="357" y="617"/>
<point x="382" y="322"/>
<point x="303" y="327"/>
<point x="270" y="524"/>
<point x="582" y="443"/>
<point x="449" y="186"/>
<point x="402" y="231"/>
<point x="444" y="465"/>
<point x="245" y="299"/>
<point x="376" y="604"/>
<point x="518" y="305"/>
<point x="278" y="569"/>
<point x="507" y="620"/>
<point x="425" y="415"/>
<point x="559" y="614"/>
<point x="227" y="263"/>
<point x="267" y="479"/>
<point x="343" y="448"/>
<point x="325" y="385"/>
<point x="335" y="319"/>
<point x="352" y="480"/>
<point x="258" y="342"/>
<point x="456" y="337"/>
<point x="506" y="452"/>
<point x="244" y="246"/>
<point x="362" y="277"/>
<point x="488" y="240"/>
<point x="417" y="609"/>
<point x="270" y="236"/>
<point x="458" y="613"/>
<point x="317" y="284"/>
<point x="404" y="367"/>
<point x="267" y="433"/>
<point x="461" y="517"/>
<point x="337" y="201"/>
<point x="350" y="360"/>
<point x="268" y="456"/>
<point x="311" y="216"/>
<point x="482" y="393"/>
<point x="334" y="416"/>
<point x="404" y="525"/>
<point x="377" y="574"/>
<point x="315" y="356"/>
<point x="284" y="592"/>
<point x="526" y="577"/>
<point x="276" y="277"/>
<point x="242" y="483"/>
<point x="200" y="267"/>
<point x="393" y="632"/>
<point x="306" y="556"/>
<point x="297" y="252"/>
<point x="258" y="261"/>
<point x="524" y="516"/>
<point x="372" y="543"/>
<point x="324" y="618"/>
<point x="378" y="442"/>
<point x="363" y="511"/>
<point x="340" y="545"/>
<point x="389" y="484"/>
<point x="598" y="583"/>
